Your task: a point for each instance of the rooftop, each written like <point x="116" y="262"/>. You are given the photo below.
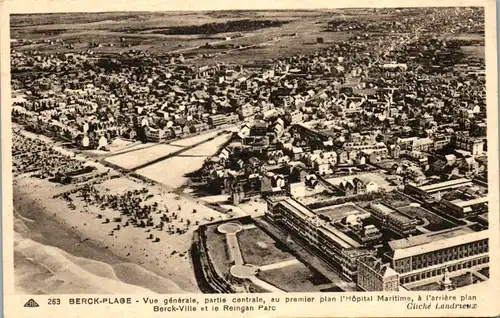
<point x="466" y="203"/>
<point x="445" y="184"/>
<point x="339" y="237"/>
<point x="327" y="228"/>
<point x="376" y="264"/>
<point x="337" y="212"/>
<point x="434" y="241"/>
<point x="393" y="212"/>
<point x="295" y="206"/>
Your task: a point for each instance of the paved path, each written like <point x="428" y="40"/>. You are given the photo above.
<point x="327" y="286"/>
<point x="347" y="286"/>
<point x="422" y="228"/>
<point x="478" y="274"/>
<point x="170" y="142"/>
<point x="234" y="249"/>
<point x="249" y="226"/>
<point x="279" y="265"/>
<point x="175" y="153"/>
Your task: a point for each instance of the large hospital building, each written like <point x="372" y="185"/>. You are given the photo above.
<point x="427" y="255"/>
<point x="336" y="245"/>
<point x="410" y="259"/>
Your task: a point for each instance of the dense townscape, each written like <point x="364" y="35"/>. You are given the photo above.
<point x="359" y="166"/>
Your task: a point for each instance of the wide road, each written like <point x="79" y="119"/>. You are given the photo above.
<point x="169" y="141"/>
<point x="175" y="153"/>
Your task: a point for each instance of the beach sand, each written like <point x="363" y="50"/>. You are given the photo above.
<point x="73" y="250"/>
<point x="43" y="269"/>
<point x="59" y="250"/>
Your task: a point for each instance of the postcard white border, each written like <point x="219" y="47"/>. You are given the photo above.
<point x="490" y="304"/>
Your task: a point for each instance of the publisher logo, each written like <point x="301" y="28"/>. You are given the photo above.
<point x="31" y="303"/>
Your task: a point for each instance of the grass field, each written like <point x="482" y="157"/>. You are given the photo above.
<point x="396" y="200"/>
<point x="334" y="289"/>
<point x="162" y="33"/>
<point x="172" y="172"/>
<point x="217" y="250"/>
<point x="338" y="212"/>
<point x="260" y="249"/>
<point x="485" y="271"/>
<point x="294" y="278"/>
<point x="436" y="223"/>
<point x="120" y="32"/>
<point x="463" y="280"/>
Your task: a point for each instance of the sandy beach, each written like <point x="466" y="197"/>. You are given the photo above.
<point x="110" y="234"/>
<point x="59" y="250"/>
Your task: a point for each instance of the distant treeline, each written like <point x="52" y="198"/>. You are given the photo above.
<point x="28" y="20"/>
<point x="229" y="26"/>
<point x="49" y="32"/>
